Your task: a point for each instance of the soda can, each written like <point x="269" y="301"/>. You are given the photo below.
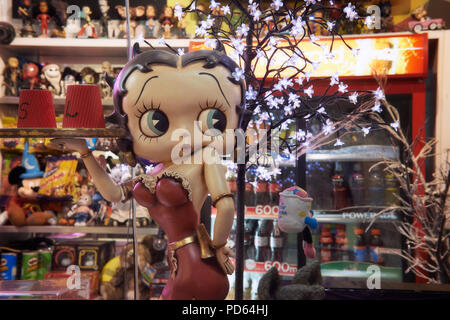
<point x="30" y="265"/>
<point x="45" y="263"/>
<point x="8" y="266"/>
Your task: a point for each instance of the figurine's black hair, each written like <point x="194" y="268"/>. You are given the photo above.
<point x="143" y="62"/>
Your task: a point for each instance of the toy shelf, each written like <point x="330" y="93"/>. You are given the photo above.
<point x="83" y="47"/>
<point x="77" y="229"/>
<point x="62" y="133"/>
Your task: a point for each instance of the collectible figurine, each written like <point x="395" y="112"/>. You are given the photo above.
<point x="30" y="72"/>
<point x="104" y="87"/>
<point x="52" y="79"/>
<point x="123" y="25"/>
<point x="104" y="8"/>
<point x="157" y="93"/>
<point x="69" y="77"/>
<point x="295" y="216"/>
<point x="25" y="208"/>
<point x="139" y="19"/>
<point x="424" y="22"/>
<point x="25" y="10"/>
<point x="167" y="22"/>
<point x="88" y="28"/>
<point x="152" y="24"/>
<point x="11" y="77"/>
<point x="181" y="25"/>
<point x="89" y="76"/>
<point x="43" y="17"/>
<point x="81" y="211"/>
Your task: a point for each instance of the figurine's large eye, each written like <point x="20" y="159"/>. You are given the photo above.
<point x="154" y="123"/>
<point x="212" y="120"/>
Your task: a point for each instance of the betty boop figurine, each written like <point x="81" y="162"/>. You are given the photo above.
<point x="157" y="95"/>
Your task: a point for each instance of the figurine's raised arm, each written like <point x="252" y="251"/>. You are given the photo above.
<point x="103" y="182"/>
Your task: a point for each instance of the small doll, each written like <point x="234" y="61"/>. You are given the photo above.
<point x="43" y="17"/>
<point x="88" y="28"/>
<point x="52" y="79"/>
<point x="25" y="208"/>
<point x="181" y="25"/>
<point x="104" y="18"/>
<point x="105" y="89"/>
<point x="25" y="11"/>
<point x="167" y="22"/>
<point x="121" y="10"/>
<point x="141" y="29"/>
<point x="81" y="211"/>
<point x="296" y="216"/>
<point x="69" y="77"/>
<point x="89" y="76"/>
<point x="12" y="77"/>
<point x="152" y="23"/>
<point x="30" y="72"/>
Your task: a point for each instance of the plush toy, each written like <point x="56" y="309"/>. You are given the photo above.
<point x="81" y="211"/>
<point x="121" y="285"/>
<point x="25" y="208"/>
<point x="295" y="216"/>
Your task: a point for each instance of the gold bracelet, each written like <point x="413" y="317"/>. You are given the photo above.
<point x="219" y="246"/>
<point x="85" y="155"/>
<point x="220" y="197"/>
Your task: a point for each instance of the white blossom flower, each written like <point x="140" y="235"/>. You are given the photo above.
<point x="299" y="135"/>
<point x="321" y="110"/>
<point x="315" y="65"/>
<point x="379" y="94"/>
<point x="226" y="10"/>
<point x="211" y="43"/>
<point x="251" y="93"/>
<point x="238" y="74"/>
<point x="292" y="97"/>
<point x="242" y="30"/>
<point x="300" y="80"/>
<point x="308" y="75"/>
<point x="350" y="12"/>
<point x="338" y="143"/>
<point x="200" y="31"/>
<point x="256" y="14"/>
<point x="276" y="4"/>
<point x="309" y="91"/>
<point x="328" y="127"/>
<point x="313" y="37"/>
<point x="260" y="54"/>
<point x="355" y="52"/>
<point x="162" y="41"/>
<point x="329" y="55"/>
<point x="330" y="25"/>
<point x="285" y="82"/>
<point x="342" y="87"/>
<point x="377" y="107"/>
<point x="309" y="2"/>
<point x="180" y="51"/>
<point x="394" y="125"/>
<point x="264" y="116"/>
<point x="366" y="130"/>
<point x="353" y="97"/>
<point x="214" y="5"/>
<point x="334" y="79"/>
<point x="178" y="11"/>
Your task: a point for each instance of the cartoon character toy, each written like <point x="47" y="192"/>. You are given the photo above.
<point x="151" y="23"/>
<point x="11" y="77"/>
<point x="43" y="17"/>
<point x="159" y="94"/>
<point x="295" y="216"/>
<point x="52" y="79"/>
<point x="167" y="22"/>
<point x="30" y="72"/>
<point x="104" y="18"/>
<point x="25" y="11"/>
<point x="81" y="211"/>
<point x="88" y="28"/>
<point x="104" y="87"/>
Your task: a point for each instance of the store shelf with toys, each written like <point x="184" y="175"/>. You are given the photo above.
<point x="78" y="230"/>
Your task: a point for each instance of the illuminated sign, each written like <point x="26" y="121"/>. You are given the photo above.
<point x="391" y="55"/>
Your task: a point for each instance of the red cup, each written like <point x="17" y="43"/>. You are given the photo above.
<point x="36" y="109"/>
<point x="83" y="108"/>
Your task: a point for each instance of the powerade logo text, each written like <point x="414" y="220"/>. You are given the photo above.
<point x="368" y="215"/>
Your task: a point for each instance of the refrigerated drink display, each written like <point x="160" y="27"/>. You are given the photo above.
<point x="250" y="198"/>
<point x="359" y="248"/>
<point x="339" y="189"/>
<point x="357" y="186"/>
<point x="391" y="190"/>
<point x="231" y="243"/>
<point x="249" y="239"/>
<point x="342" y="249"/>
<point x="261" y="193"/>
<point x="274" y="192"/>
<point x="375" y="191"/>
<point x="262" y="238"/>
<point x="276" y="243"/>
<point x="375" y="244"/>
<point x="326" y="245"/>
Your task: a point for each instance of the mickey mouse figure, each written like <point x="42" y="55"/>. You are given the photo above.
<point x="25" y="208"/>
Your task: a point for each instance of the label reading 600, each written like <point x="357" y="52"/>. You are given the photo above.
<point x="266" y="210"/>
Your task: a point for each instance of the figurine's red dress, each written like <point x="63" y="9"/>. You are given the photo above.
<point x="170" y="207"/>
